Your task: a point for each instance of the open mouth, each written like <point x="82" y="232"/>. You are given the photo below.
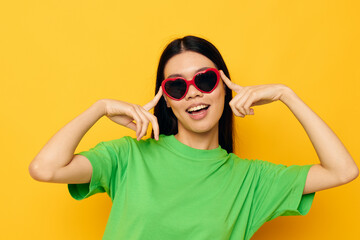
<point x="197" y="109"/>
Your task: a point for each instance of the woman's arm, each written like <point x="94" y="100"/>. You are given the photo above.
<point x="56" y="161"/>
<point x="59" y="150"/>
<point x="336" y="165"/>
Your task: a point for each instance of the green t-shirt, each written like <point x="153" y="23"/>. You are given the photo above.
<point x="166" y="190"/>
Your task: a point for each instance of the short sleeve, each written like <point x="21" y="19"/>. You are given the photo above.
<point x="108" y="160"/>
<point x="279" y="192"/>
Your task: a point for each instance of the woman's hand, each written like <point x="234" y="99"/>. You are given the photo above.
<point x="125" y="114"/>
<point x="336" y="164"/>
<point x="249" y="96"/>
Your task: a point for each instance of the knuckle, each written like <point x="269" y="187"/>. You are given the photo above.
<point x="239" y="106"/>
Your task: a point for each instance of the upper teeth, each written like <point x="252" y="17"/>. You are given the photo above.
<point x="197" y="108"/>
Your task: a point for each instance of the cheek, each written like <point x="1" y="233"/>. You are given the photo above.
<point x="219" y="100"/>
<point x="174" y="105"/>
<point x="219" y="94"/>
<point x="166" y="100"/>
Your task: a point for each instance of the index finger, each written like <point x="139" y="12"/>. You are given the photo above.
<point x="154" y="101"/>
<point x="230" y="84"/>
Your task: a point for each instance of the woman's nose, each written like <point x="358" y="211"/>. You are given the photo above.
<point x="193" y="92"/>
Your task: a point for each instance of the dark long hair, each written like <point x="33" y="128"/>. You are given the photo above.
<point x="167" y="120"/>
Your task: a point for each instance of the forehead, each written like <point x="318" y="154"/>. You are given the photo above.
<point x="186" y="64"/>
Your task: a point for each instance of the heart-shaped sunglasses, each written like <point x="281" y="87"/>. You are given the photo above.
<point x="205" y="81"/>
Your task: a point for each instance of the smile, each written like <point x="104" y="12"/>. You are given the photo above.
<point x="195" y="109"/>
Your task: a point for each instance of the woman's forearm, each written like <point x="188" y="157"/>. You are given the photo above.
<point x="331" y="152"/>
<point x="59" y="150"/>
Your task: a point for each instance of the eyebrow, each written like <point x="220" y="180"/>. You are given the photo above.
<point x="179" y="75"/>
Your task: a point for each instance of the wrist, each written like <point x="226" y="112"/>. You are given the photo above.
<point x="286" y="94"/>
<point x="100" y="106"/>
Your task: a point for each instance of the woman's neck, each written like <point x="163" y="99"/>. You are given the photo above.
<point x="207" y="140"/>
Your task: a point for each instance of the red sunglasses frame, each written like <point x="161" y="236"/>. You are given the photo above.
<point x="191" y="82"/>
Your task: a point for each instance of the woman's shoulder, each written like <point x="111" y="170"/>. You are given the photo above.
<point x="242" y="162"/>
<point x="235" y="157"/>
<point x="132" y="142"/>
<point x="253" y="162"/>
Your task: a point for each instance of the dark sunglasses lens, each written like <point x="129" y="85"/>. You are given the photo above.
<point x="176" y="89"/>
<point x="206" y="81"/>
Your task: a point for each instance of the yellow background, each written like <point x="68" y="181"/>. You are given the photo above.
<point x="59" y="57"/>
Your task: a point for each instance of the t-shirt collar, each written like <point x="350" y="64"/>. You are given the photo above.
<point x="193" y="153"/>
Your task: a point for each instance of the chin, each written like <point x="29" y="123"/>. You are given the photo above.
<point x="206" y="125"/>
<point x="201" y="128"/>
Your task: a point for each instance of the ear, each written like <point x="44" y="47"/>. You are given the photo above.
<point x="167" y="103"/>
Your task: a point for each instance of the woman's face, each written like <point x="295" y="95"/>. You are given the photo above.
<point x="187" y="64"/>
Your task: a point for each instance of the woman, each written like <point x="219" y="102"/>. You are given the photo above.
<point x="185" y="182"/>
